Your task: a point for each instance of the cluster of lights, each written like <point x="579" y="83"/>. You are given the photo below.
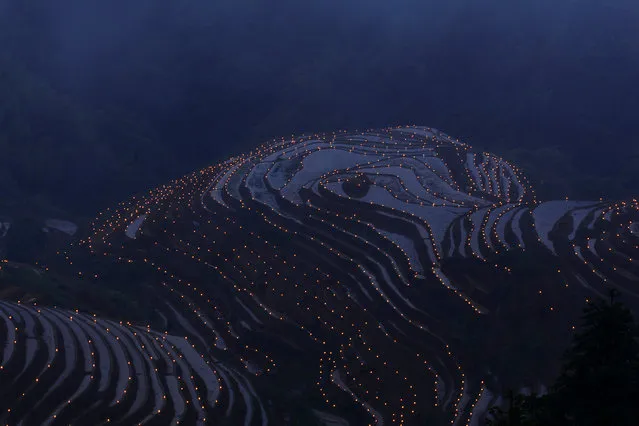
<point x="104" y="349"/>
<point x="282" y="274"/>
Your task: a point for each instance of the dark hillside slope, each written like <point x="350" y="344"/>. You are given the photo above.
<point x="391" y="276"/>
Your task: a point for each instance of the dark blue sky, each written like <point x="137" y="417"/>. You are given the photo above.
<point x="206" y="79"/>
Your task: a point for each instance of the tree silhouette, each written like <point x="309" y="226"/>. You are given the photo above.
<point x="599" y="381"/>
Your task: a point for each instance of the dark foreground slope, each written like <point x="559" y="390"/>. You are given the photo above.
<point x="387" y="277"/>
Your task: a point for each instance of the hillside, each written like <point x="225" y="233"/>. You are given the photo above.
<point x="392" y="276"/>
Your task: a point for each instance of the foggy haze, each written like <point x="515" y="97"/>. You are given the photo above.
<point x="203" y="80"/>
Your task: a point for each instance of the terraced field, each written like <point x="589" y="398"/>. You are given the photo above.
<point x="66" y="367"/>
<point x="384" y="277"/>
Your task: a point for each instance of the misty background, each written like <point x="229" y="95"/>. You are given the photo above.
<point x="102" y="100"/>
